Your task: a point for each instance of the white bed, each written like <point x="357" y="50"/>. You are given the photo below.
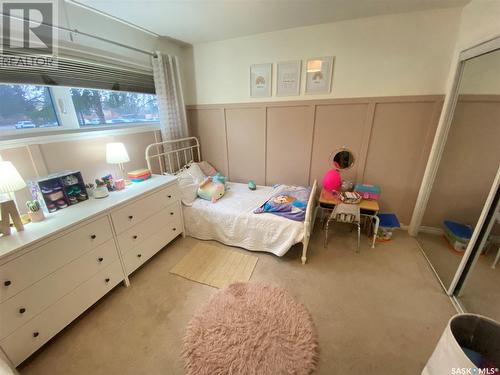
<point x="231" y="219"/>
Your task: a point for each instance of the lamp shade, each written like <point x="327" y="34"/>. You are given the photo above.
<point x="10" y="179"/>
<point x="116" y="153"/>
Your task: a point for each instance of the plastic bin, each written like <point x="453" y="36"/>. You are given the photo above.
<point x="470" y="344"/>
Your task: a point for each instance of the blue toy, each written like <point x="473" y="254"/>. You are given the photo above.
<point x="457" y="234"/>
<point x="218" y="178"/>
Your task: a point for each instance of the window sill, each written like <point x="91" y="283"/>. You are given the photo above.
<point x="49" y="135"/>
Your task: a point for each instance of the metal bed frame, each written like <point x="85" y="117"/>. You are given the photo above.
<point x="174" y="155"/>
<point x="183" y="155"/>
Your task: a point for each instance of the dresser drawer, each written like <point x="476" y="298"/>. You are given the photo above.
<point x="134" y="213"/>
<point x="19" y="309"/>
<point x="31" y="336"/>
<point x="137" y="256"/>
<point x="157" y="222"/>
<point x="39" y="262"/>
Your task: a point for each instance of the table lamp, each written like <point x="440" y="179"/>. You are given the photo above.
<point x="10" y="181"/>
<point x="116" y="153"/>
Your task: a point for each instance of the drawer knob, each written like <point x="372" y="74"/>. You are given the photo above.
<point x="7" y="282"/>
<point x="35" y="334"/>
<point x="93" y="236"/>
<point x="107" y="279"/>
<point x="22" y="310"/>
<point x="171" y="213"/>
<point x="135" y="236"/>
<point x="139" y="255"/>
<point x="169" y="196"/>
<point x="100" y="259"/>
<point x="174" y="229"/>
<point x="130" y="217"/>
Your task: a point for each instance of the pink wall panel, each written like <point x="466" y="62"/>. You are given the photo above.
<point x="289" y="142"/>
<point x="209" y="126"/>
<point x="399" y="145"/>
<point x="246" y="144"/>
<point x="336" y="126"/>
<point x="89" y="156"/>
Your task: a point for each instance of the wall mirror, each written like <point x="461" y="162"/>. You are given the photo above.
<point x="342" y="159"/>
<point x="461" y="191"/>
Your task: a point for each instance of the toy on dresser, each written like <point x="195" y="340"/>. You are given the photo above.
<point x="62" y="189"/>
<point x="139" y="175"/>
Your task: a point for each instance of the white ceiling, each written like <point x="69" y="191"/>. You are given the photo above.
<point x="198" y="21"/>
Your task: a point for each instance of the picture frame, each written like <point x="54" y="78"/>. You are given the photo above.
<point x="288" y="78"/>
<point x="261" y="80"/>
<point x="319" y="72"/>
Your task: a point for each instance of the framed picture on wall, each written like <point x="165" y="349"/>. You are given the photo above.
<point x="319" y="75"/>
<point x="260" y="80"/>
<point x="288" y="78"/>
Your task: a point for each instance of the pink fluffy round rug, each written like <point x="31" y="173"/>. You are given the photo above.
<point x="251" y="328"/>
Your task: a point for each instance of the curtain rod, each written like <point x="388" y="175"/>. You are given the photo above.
<point x="76" y="31"/>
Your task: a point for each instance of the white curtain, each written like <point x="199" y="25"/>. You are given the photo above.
<point x="169" y="96"/>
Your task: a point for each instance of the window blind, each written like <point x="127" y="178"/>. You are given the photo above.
<point x="75" y="73"/>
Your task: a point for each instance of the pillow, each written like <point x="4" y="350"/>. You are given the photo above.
<point x="196" y="173"/>
<point x="188" y="188"/>
<point x="207" y="168"/>
<point x="189" y="180"/>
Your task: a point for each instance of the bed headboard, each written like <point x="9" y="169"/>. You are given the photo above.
<point x="173" y="155"/>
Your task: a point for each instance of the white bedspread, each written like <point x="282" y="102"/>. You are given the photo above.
<point x="231" y="221"/>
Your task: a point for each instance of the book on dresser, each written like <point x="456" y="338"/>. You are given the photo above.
<point x="56" y="269"/>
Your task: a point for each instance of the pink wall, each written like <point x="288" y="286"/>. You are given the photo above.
<point x="291" y="142"/>
<point x="87" y="156"/>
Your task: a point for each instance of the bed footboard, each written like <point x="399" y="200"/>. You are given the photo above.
<point x="312" y="207"/>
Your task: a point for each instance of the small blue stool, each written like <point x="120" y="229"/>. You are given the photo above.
<point x="387" y="223"/>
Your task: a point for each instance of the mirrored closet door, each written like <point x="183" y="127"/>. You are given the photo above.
<point x="479" y="288"/>
<point x="466" y="172"/>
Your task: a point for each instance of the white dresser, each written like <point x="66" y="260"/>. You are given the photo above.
<point x="54" y="270"/>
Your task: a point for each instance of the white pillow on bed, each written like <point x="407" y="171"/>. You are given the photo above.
<point x="189" y="179"/>
<point x="196" y="173"/>
<point x="207" y="168"/>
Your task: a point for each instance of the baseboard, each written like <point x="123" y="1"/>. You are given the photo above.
<point x="430" y="230"/>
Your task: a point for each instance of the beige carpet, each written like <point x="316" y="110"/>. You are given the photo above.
<point x="215" y="266"/>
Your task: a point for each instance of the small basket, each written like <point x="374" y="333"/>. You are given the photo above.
<point x="101" y="192"/>
<point x="36" y="216"/>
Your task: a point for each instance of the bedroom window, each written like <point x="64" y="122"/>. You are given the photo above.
<point x="106" y="107"/>
<point x="26" y="107"/>
<point x="28" y="111"/>
<point x="79" y="96"/>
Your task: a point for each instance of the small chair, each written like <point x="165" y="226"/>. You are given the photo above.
<point x="345" y="213"/>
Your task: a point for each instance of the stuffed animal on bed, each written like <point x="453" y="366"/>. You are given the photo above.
<point x="219" y="178"/>
<point x="211" y="189"/>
